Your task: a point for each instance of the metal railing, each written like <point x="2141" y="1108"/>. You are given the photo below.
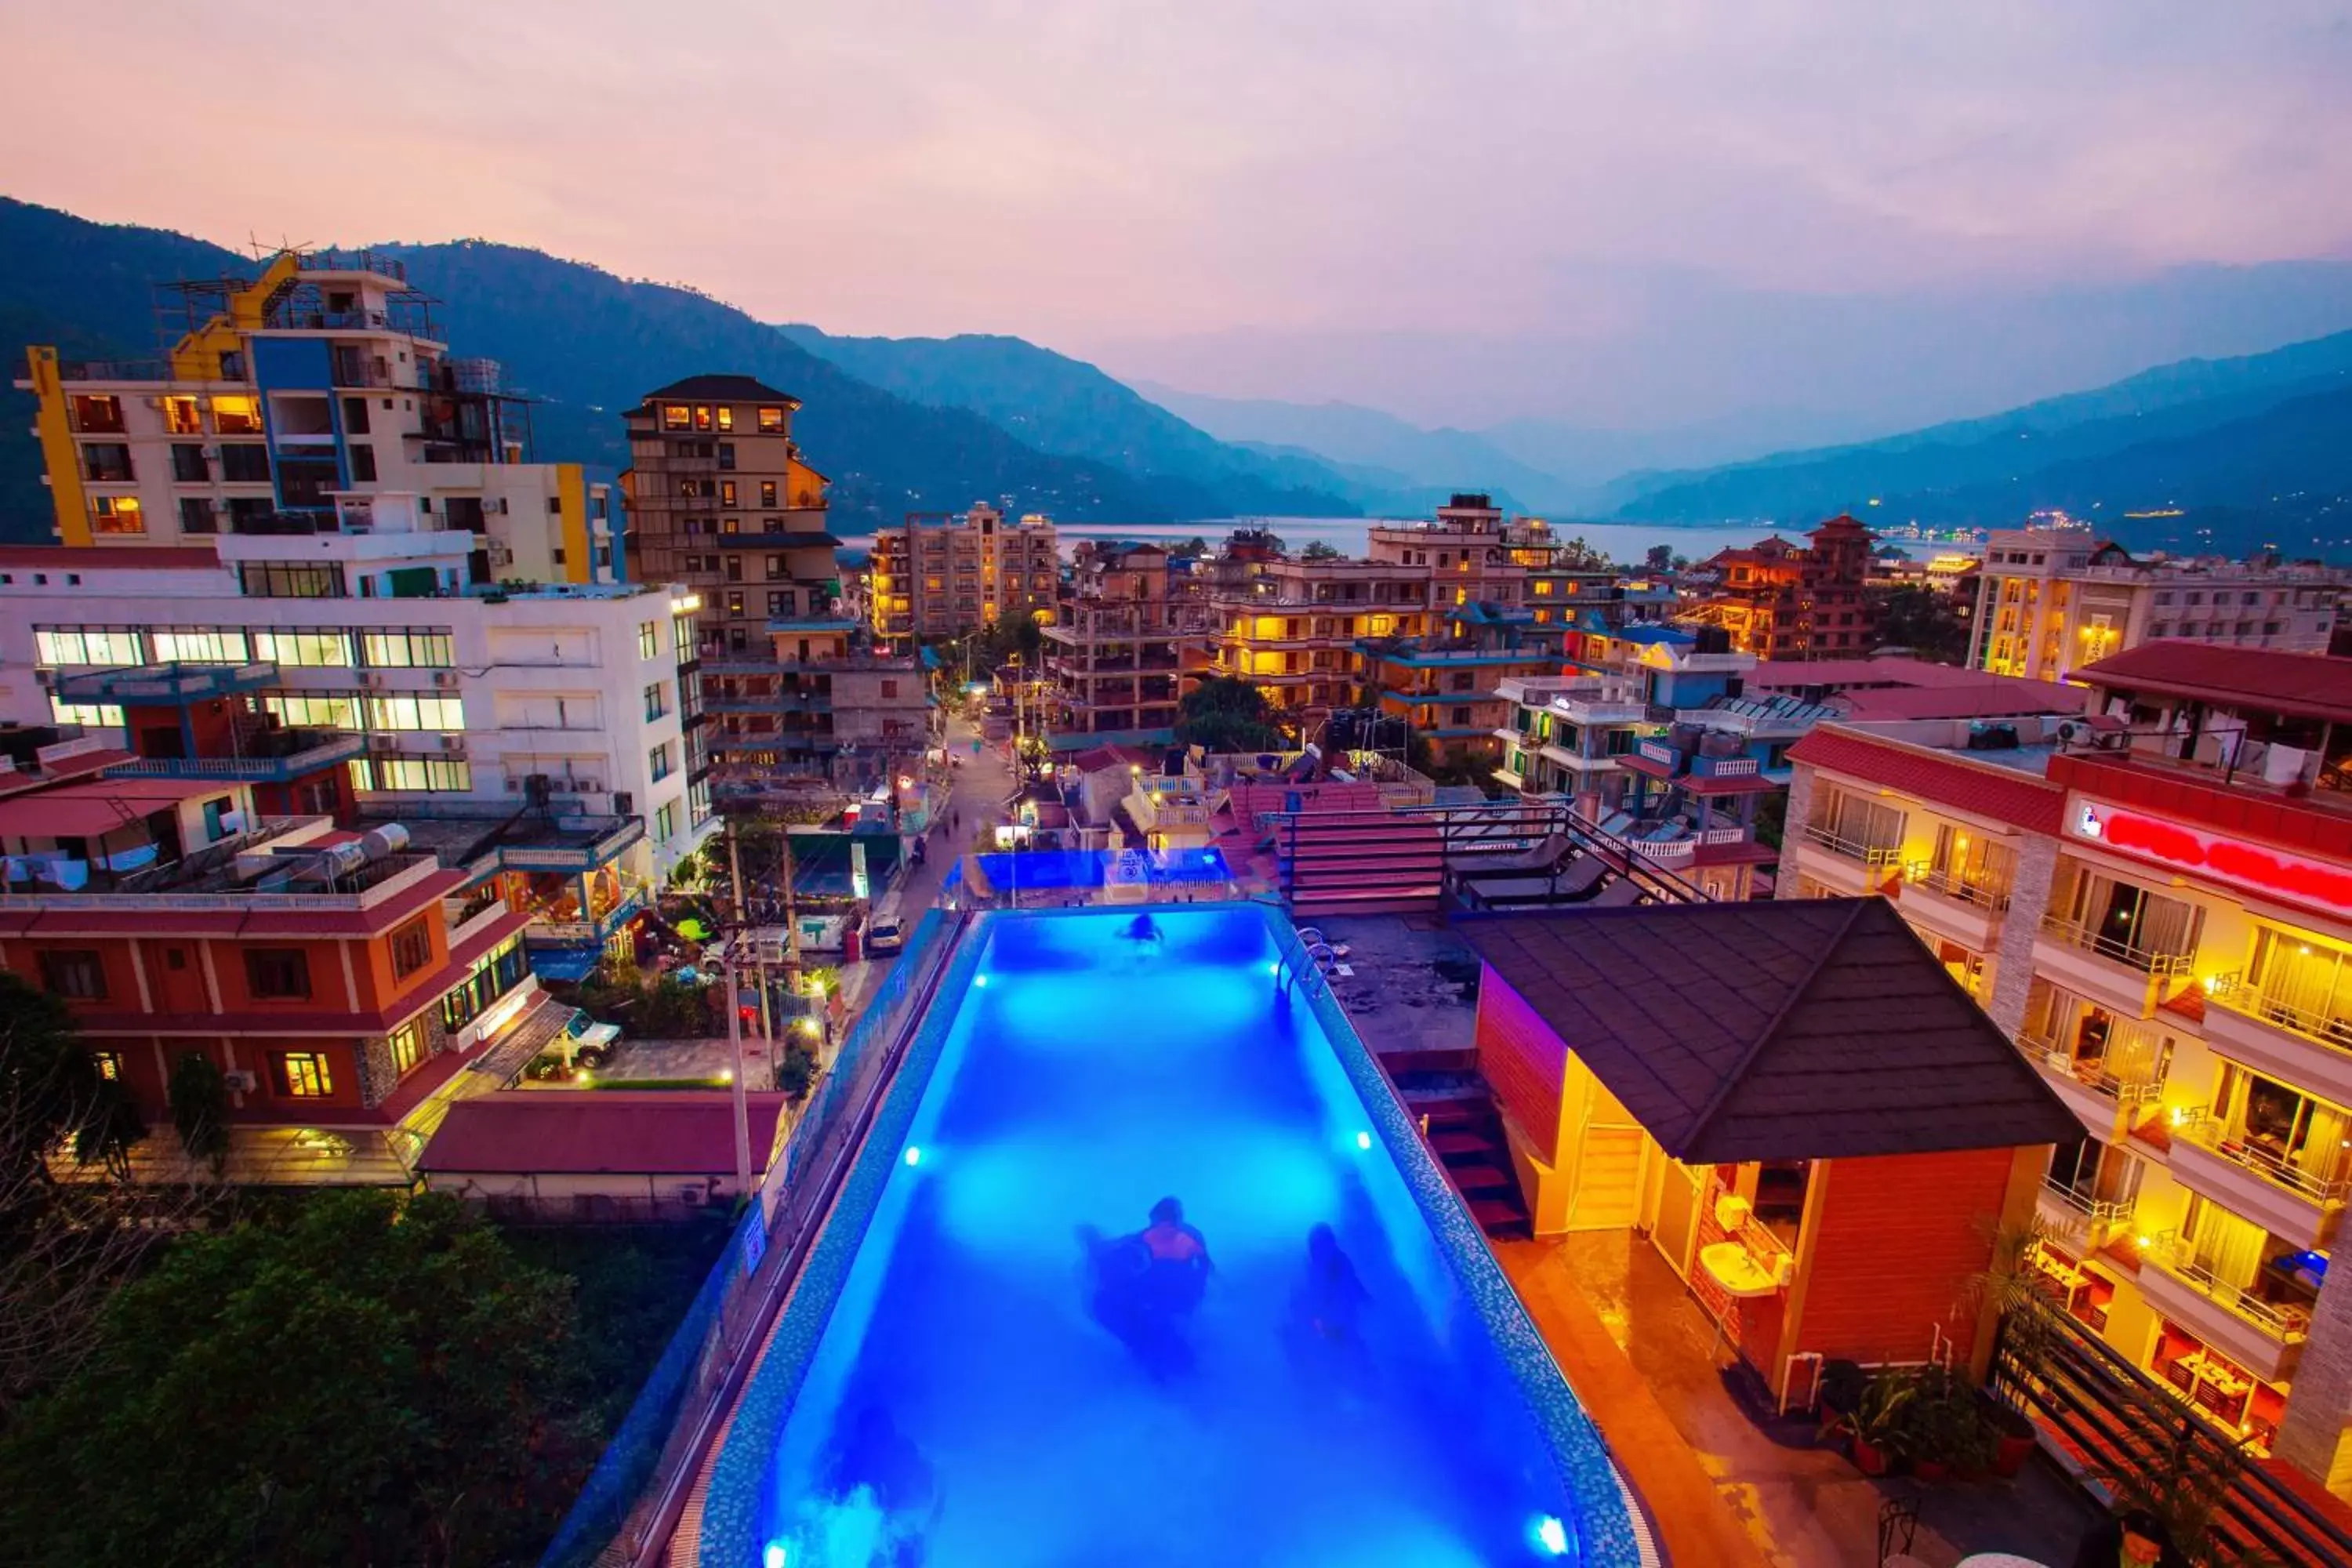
<point x="2233" y="992"/>
<point x="2090" y="939"/>
<point x="1983" y="894"/>
<point x="1853" y="848"/>
<point x="2175" y="1255"/>
<point x="2099" y="1210"/>
<point x="2135" y="1088"/>
<point x="2199" y="1126"/>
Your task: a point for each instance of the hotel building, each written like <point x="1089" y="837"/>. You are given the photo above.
<point x="943" y="574"/>
<point x="2156" y="904"/>
<point x="2050" y="602"/>
<point x="316" y="396"/>
<point x="1780" y="600"/>
<point x="1120" y="650"/>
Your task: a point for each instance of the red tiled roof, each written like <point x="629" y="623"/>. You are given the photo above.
<point x="74" y="767"/>
<point x="667" y="1132"/>
<point x="2308" y="684"/>
<point x="1995" y="697"/>
<point x="65" y="557"/>
<point x="96" y="808"/>
<point x="1980" y="789"/>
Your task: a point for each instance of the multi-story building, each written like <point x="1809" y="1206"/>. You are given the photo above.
<point x="943" y="574"/>
<point x="316" y="396"/>
<point x="2049" y="601"/>
<point x="564" y="701"/>
<point x="2157" y="904"/>
<point x="337" y="980"/>
<point x="722" y="500"/>
<point x="1120" y="649"/>
<point x="1452" y="694"/>
<point x="1293" y="627"/>
<point x="1471" y="554"/>
<point x="1780" y="600"/>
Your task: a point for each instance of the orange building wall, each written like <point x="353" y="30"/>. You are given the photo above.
<point x="1897" y="1239"/>
<point x="1523" y="1061"/>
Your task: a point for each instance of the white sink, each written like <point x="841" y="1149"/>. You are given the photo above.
<point x="1731" y="1265"/>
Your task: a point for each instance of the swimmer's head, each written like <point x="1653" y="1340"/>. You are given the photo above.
<point x="1168" y="1211"/>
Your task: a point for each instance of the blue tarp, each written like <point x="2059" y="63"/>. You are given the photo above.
<point x="569" y="964"/>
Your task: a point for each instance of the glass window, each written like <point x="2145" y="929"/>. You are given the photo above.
<point x="412" y="948"/>
<point x="202" y="645"/>
<point x="303" y="1075"/>
<point x="675" y="417"/>
<point x="117" y="514"/>
<point x="658" y="762"/>
<point x="73" y="972"/>
<point x="416" y="711"/>
<point x="277" y="973"/>
<point x="92" y="715"/>
<point x="772" y="421"/>
<point x="665" y="819"/>
<point x="440" y="775"/>
<point x="648" y="639"/>
<point x="105" y="645"/>
<point x="411" y="647"/>
<point x="656" y="703"/>
<point x="702" y="417"/>
<point x="236" y="415"/>
<point x="407" y="1044"/>
<point x="768" y="493"/>
<point x="494" y="974"/>
<point x="305" y="713"/>
<point x="313" y="648"/>
<point x="292" y="580"/>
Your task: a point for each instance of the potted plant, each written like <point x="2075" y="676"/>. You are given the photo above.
<point x="1840" y="1390"/>
<point x="1878" y="1417"/>
<point x="2012" y="1433"/>
<point x="1979" y="1445"/>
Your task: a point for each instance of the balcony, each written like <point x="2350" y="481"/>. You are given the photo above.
<point x="1850" y="867"/>
<point x="1967" y="910"/>
<point x="2107" y="1105"/>
<point x="2081" y="1221"/>
<point x="2266" y="1337"/>
<point x="2279" y="1039"/>
<point x="2106" y="969"/>
<point x="303" y="754"/>
<point x="2249" y="1178"/>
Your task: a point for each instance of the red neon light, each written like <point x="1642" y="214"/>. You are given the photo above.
<point x="2291" y="875"/>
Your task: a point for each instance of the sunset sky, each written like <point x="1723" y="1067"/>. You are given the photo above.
<point x="1255" y="198"/>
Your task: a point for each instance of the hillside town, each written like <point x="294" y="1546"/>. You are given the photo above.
<point x="1873" y="1015"/>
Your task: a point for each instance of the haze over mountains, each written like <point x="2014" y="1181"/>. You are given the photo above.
<point x="2237" y="454"/>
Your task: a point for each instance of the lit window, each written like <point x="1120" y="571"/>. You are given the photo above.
<point x="676" y="416"/>
<point x="181" y="417"/>
<point x="648" y="639"/>
<point x="445" y="714"/>
<point x="772" y="421"/>
<point x="302" y="1074"/>
<point x="725" y="417"/>
<point x="117" y="514"/>
<point x="407" y="1044"/>
<point x="109" y="1065"/>
<point x="237" y="416"/>
<point x="311" y="649"/>
<point x="702" y="417"/>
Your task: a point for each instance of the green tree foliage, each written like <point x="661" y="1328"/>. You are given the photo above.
<point x="1659" y="557"/>
<point x="363" y="1382"/>
<point x="48" y="1082"/>
<point x="1226" y="714"/>
<point x="199" y="1097"/>
<point x="1579" y="557"/>
<point x="1192" y="548"/>
<point x="1318" y="550"/>
<point x="1926" y="621"/>
<point x="1006" y="638"/>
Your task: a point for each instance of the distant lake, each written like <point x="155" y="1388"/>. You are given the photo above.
<point x="1623" y="542"/>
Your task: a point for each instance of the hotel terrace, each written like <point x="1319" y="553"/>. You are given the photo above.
<point x="2156" y="904"/>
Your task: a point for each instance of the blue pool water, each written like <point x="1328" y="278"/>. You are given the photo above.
<point x="1034" y="869"/>
<point x="1080" y="1076"/>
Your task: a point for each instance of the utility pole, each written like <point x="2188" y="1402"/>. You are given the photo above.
<point x="728" y="936"/>
<point x="759" y="953"/>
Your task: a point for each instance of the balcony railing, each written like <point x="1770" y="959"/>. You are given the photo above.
<point x="2177" y="1256"/>
<point x="2202" y="1127"/>
<point x="2098" y="1211"/>
<point x="2090" y="938"/>
<point x="1853" y="848"/>
<point x="1983" y="894"/>
<point x="2326" y="1027"/>
<point x="2123" y="1088"/>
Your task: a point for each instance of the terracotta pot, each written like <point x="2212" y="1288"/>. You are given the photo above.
<point x="2009" y="1453"/>
<point x="1931" y="1469"/>
<point x="1870" y="1459"/>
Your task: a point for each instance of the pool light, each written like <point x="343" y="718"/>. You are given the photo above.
<point x="914" y="1155"/>
<point x="1364" y="1140"/>
<point x="1274" y="968"/>
<point x="774" y="1556"/>
<point x="1552" y="1535"/>
<point x="980" y="980"/>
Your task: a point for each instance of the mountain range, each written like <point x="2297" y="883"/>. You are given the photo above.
<point x="588" y="345"/>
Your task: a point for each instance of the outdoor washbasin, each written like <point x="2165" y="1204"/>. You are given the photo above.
<point x="1734" y="1268"/>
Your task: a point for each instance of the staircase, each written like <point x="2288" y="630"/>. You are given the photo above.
<point x="1466" y="1132"/>
<point x="1360" y="862"/>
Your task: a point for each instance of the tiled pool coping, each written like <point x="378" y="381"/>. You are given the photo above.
<point x="730" y="1513"/>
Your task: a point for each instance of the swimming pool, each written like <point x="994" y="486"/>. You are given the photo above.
<point x="1069" y="1075"/>
<point x="1036" y="869"/>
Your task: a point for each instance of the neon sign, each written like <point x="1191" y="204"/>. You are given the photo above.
<point x="2228" y="859"/>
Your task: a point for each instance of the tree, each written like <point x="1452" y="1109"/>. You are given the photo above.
<point x="1192" y="548"/>
<point x="199" y="1096"/>
<point x="1925" y="621"/>
<point x="1579" y="557"/>
<point x="1226" y="714"/>
<point x="48" y="1080"/>
<point x="1318" y="550"/>
<point x="1659" y="557"/>
<point x="365" y="1380"/>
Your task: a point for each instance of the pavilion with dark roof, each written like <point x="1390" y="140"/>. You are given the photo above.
<point x="1794" y="1101"/>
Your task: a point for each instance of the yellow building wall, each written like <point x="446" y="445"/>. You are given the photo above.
<point x="55" y="432"/>
<point x="571" y="497"/>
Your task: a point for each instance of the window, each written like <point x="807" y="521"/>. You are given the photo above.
<point x="188" y="464"/>
<point x="889" y="690"/>
<point x="658" y="762"/>
<point x="665" y="819"/>
<point x="656" y="700"/>
<point x="117" y="514"/>
<point x="1461" y="717"/>
<point x="778" y="605"/>
<point x="108" y="1065"/>
<point x="201" y="645"/>
<point x="422" y="775"/>
<point x="494" y="974"/>
<point x="88" y="644"/>
<point x="727" y="463"/>
<point x="181" y="417"/>
<point x="277" y="973"/>
<point x="410" y="647"/>
<point x="702" y="417"/>
<point x="292" y="580"/>
<point x="726" y="417"/>
<point x="734" y="604"/>
<point x="244" y="464"/>
<point x="309" y="649"/>
<point x="363" y="464"/>
<point x="73" y="972"/>
<point x="772" y="421"/>
<point x="302" y="1074"/>
<point x="96" y="412"/>
<point x="675" y="417"/>
<point x="313" y="712"/>
<point x="236" y="415"/>
<point x="407" y="1044"/>
<point x="727" y="492"/>
<point x="412" y="948"/>
<point x="648" y="639"/>
<point x="768" y="493"/>
<point x="445" y="713"/>
<point x="91" y="715"/>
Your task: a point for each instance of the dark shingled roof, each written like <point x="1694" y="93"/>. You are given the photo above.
<point x="1800" y="1029"/>
<point x="723" y="389"/>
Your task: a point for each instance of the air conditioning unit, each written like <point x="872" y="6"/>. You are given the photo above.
<point x="384" y="743"/>
<point x="447" y="680"/>
<point x="370" y="681"/>
<point x="454" y="744"/>
<point x="691" y="1193"/>
<point x="240" y="1081"/>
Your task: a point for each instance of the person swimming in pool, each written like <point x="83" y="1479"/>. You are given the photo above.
<point x="1144" y="929"/>
<point x="1179" y="1257"/>
<point x="879" y="1495"/>
<point x="1121" y="1298"/>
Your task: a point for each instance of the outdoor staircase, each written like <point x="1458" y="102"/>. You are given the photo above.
<point x="1358" y="862"/>
<point x="1465" y="1131"/>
